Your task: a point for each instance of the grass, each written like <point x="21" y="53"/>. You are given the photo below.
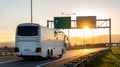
<point x="108" y="59"/>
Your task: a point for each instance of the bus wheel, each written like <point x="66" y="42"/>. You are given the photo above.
<point x="48" y="54"/>
<point x="61" y="53"/>
<point x="51" y="54"/>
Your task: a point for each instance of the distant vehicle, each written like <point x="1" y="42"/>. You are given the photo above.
<point x="35" y="40"/>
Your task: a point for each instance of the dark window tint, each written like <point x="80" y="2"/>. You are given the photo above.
<point x="27" y="31"/>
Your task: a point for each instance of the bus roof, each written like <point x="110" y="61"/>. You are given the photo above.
<point x="28" y="24"/>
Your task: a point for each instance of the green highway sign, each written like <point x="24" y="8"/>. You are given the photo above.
<point x="83" y="21"/>
<point x="62" y="22"/>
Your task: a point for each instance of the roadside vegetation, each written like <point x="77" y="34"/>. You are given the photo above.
<point x="108" y="59"/>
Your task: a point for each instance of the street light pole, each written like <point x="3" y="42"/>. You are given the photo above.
<point x="31" y="12"/>
<point x="110" y="45"/>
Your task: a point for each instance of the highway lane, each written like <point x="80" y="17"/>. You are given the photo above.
<point x="55" y="61"/>
<point x="23" y="63"/>
<point x="71" y="55"/>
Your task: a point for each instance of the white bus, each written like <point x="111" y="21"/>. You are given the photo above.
<point x="34" y="40"/>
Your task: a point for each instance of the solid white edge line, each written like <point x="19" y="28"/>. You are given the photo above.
<point x="51" y="62"/>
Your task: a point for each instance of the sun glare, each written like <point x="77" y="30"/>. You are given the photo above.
<point x="87" y="32"/>
<point x="86" y="28"/>
<point x="79" y="32"/>
<point x="85" y="50"/>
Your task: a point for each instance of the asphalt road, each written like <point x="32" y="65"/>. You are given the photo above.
<point x="13" y="61"/>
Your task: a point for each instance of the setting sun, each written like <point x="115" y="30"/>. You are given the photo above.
<point x="86" y="28"/>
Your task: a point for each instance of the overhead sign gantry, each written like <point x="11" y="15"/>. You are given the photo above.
<point x="81" y="22"/>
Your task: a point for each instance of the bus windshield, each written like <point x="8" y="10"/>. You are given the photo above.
<point x="27" y="31"/>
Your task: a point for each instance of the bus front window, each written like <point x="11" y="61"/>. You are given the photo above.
<point x="27" y="31"/>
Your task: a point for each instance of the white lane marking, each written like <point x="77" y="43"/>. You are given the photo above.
<point x="8" y="61"/>
<point x="52" y="61"/>
<point x="49" y="62"/>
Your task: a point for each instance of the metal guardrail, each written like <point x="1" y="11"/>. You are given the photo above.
<point x="7" y="52"/>
<point x="84" y="61"/>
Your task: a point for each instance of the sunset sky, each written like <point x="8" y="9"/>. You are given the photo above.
<point x="14" y="12"/>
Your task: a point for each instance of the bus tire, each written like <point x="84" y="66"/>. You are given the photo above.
<point x="48" y="54"/>
<point x="60" y="55"/>
<point x="62" y="51"/>
<point x="51" y="53"/>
